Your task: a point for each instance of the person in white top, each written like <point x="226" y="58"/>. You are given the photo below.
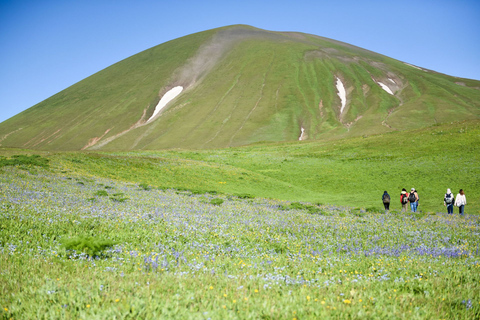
<point x="461" y="201"/>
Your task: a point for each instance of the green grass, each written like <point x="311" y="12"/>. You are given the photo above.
<point x="171" y="255"/>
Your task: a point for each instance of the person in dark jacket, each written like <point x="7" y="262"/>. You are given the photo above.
<point x="386" y="201"/>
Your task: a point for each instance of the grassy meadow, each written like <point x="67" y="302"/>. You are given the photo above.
<point x="277" y="231"/>
<point x="351" y="172"/>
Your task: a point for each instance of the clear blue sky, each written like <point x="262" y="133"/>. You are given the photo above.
<point x="46" y="46"/>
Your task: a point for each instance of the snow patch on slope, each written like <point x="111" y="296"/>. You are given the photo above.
<point x="302" y="135"/>
<point x="167" y="97"/>
<point x="385" y="87"/>
<point x="342" y="94"/>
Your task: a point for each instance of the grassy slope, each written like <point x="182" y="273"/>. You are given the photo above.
<point x="113" y="98"/>
<point x="352" y="172"/>
<point x="265" y="89"/>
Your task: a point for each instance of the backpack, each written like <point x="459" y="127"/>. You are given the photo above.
<point x="404" y="199"/>
<point x="449" y="198"/>
<point x="386" y="198"/>
<point x="412" y="197"/>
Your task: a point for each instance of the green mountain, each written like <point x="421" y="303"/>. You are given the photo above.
<point x="240" y="85"/>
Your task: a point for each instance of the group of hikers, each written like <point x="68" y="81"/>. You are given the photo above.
<point x="412" y="197"/>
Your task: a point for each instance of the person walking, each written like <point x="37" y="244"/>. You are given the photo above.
<point x="461" y="201"/>
<point x="404" y="199"/>
<point x="448" y="201"/>
<point x="413" y="198"/>
<point x="386" y="201"/>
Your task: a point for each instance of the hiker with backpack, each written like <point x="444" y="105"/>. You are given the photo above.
<point x="448" y="201"/>
<point x="413" y="199"/>
<point x="386" y="201"/>
<point x="461" y="201"/>
<point x="404" y="199"/>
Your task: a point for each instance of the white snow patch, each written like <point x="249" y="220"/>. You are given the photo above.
<point x="342" y="94"/>
<point x="392" y="81"/>
<point x="167" y="97"/>
<point x="386" y="88"/>
<point x="302" y="136"/>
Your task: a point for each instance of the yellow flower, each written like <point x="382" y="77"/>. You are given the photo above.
<point x="347" y="301"/>
<point x="88" y="306"/>
<point x="211" y="288"/>
<point x="6" y="309"/>
<point x="323" y="302"/>
<point x="116" y="300"/>
<point x="256" y="290"/>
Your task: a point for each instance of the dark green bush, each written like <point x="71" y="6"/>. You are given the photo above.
<point x="89" y="245"/>
<point x="297" y="206"/>
<point x="245" y="196"/>
<point x="118" y="197"/>
<point x="216" y="202"/>
<point x="101" y="193"/>
<point x="24" y="160"/>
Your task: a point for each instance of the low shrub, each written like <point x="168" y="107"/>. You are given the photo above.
<point x="101" y="193"/>
<point x="216" y="201"/>
<point x="89" y="245"/>
<point x="245" y="196"/>
<point x="118" y="197"/>
<point x="24" y="160"/>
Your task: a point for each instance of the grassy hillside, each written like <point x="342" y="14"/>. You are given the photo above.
<point x="351" y="172"/>
<point x="242" y="85"/>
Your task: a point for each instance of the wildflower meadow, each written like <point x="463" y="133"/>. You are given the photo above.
<point x="80" y="247"/>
